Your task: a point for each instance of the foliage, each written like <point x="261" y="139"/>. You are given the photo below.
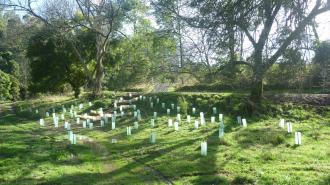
<point x="229" y="23"/>
<point x="183" y="104"/>
<point x="128" y="63"/>
<point x="138" y="59"/>
<point x="7" y="64"/>
<point x="14" y="88"/>
<point x="322" y="54"/>
<point x="9" y="87"/>
<point x="5" y="84"/>
<point x="199" y="49"/>
<point x="215" y="87"/>
<point x="321" y="69"/>
<point x="53" y="64"/>
<point x="15" y="32"/>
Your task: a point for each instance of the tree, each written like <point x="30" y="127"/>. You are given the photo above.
<point x="104" y="18"/>
<point x="322" y="59"/>
<point x="322" y="53"/>
<point x="140" y="57"/>
<point x="289" y="72"/>
<point x="53" y="63"/>
<point x="271" y="26"/>
<point x="172" y="24"/>
<point x="9" y="72"/>
<point x="7" y="64"/>
<point x="277" y="31"/>
<point x="13" y="43"/>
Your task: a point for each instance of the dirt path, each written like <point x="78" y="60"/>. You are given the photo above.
<point x="161" y="88"/>
<point x="154" y="171"/>
<point x="310" y="99"/>
<point x="103" y="151"/>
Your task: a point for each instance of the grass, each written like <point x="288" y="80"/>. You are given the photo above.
<point x="262" y="153"/>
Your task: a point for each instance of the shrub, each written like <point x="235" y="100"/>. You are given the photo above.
<point x="267" y="156"/>
<point x="14" y="88"/>
<point x="9" y="87"/>
<point x="5" y="85"/>
<point x="315" y="131"/>
<point x="277" y="140"/>
<point x="183" y="104"/>
<point x="215" y="87"/>
<point x="242" y="180"/>
<point x="98" y="104"/>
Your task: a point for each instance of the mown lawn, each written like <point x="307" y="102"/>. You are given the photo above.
<point x="262" y="153"/>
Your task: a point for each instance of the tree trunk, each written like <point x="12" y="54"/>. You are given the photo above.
<point x="99" y="75"/>
<point x="181" y="51"/>
<point x="101" y="45"/>
<point x="76" y="92"/>
<point x="231" y="38"/>
<point x="257" y="87"/>
<point x="257" y="78"/>
<point x="232" y="53"/>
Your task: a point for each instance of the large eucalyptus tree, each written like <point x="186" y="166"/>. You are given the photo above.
<point x="271" y="26"/>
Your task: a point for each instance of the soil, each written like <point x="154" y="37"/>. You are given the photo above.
<point x="309" y="99"/>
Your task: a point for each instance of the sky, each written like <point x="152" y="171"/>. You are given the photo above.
<point x="323" y="29"/>
<point x="323" y="21"/>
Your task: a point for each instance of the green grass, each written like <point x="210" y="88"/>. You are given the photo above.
<point x="262" y="153"/>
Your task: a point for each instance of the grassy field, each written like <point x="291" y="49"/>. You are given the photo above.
<point x="262" y="153"/>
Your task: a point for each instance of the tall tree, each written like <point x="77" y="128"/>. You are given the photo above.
<point x="14" y="42"/>
<point x="53" y="63"/>
<point x="11" y="51"/>
<point x="140" y="57"/>
<point x="102" y="17"/>
<point x="271" y="26"/>
<point x="172" y="24"/>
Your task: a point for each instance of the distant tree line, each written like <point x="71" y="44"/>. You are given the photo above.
<point x="63" y="46"/>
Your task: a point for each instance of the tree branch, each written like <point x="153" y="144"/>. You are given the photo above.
<point x="270" y="17"/>
<point x="315" y="11"/>
<point x="249" y="36"/>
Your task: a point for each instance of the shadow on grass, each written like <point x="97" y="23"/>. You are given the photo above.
<point x="153" y="153"/>
<point x="123" y="175"/>
<point x="209" y="169"/>
<point x="325" y="181"/>
<point x="146" y="158"/>
<point x="12" y="119"/>
<point x="260" y="136"/>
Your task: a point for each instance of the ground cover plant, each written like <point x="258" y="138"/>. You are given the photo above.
<point x="261" y="153"/>
<point x="164" y="92"/>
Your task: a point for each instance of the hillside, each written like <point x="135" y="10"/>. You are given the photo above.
<point x="261" y="153"/>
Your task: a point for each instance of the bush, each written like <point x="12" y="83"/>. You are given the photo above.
<point x="14" y="88"/>
<point x="229" y="104"/>
<point x="277" y="140"/>
<point x="5" y="85"/>
<point x="242" y="180"/>
<point x="183" y="104"/>
<point x="315" y="131"/>
<point x="216" y="87"/>
<point x="99" y="103"/>
<point x="9" y="87"/>
<point x="267" y="156"/>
